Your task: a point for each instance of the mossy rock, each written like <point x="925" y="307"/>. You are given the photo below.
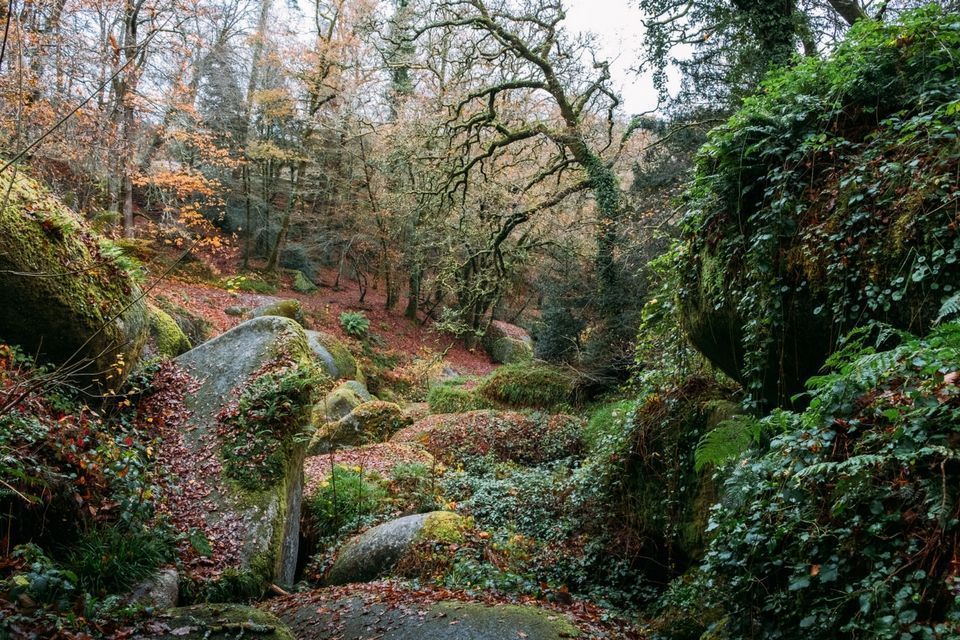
<point x="334" y="356"/>
<point x="506" y="435"/>
<point x="511" y="351"/>
<point x="341" y="401"/>
<point x="370" y="422"/>
<point x="64" y="298"/>
<point x="507" y="343"/>
<point x="249" y="461"/>
<point x="329" y="614"/>
<point x="283" y="308"/>
<point x="303" y="284"/>
<point x="376" y="552"/>
<point x="533" y="385"/>
<point x="197" y="329"/>
<point x="166" y="336"/>
<point x="219" y="622"/>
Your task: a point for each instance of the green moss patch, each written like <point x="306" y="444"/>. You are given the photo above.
<point x="530" y="384"/>
<point x="168" y="338"/>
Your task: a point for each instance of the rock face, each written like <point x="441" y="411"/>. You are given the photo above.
<point x="251" y="407"/>
<point x="334" y="356"/>
<point x="217" y="622"/>
<point x="64" y="298"/>
<point x="374" y="553"/>
<point x="351" y="617"/>
<point x="507" y="343"/>
<point x="291" y="309"/>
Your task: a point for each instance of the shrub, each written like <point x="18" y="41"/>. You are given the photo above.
<point x="849" y="524"/>
<point x="344" y="500"/>
<point x="114" y="558"/>
<point x="354" y="323"/>
<point x="529" y="384"/>
<point x="606" y="421"/>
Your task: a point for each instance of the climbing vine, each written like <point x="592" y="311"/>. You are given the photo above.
<point x="832" y="197"/>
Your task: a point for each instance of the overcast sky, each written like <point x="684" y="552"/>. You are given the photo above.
<point x="617" y="24"/>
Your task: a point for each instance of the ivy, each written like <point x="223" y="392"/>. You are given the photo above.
<point x="831" y="198"/>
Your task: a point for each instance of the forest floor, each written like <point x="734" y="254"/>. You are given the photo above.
<point x="323" y="308"/>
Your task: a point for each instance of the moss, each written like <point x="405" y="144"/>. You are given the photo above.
<point x="168" y="338"/>
<point x="285" y="309"/>
<point x="607" y="421"/>
<point x="63" y="298"/>
<point x="533" y="385"/>
<point x="454" y="397"/>
<point x="445" y="527"/>
<point x="222" y="622"/>
<point x="303" y="284"/>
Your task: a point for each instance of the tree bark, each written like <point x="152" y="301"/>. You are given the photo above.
<point x="849" y="10"/>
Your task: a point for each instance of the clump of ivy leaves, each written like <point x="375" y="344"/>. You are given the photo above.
<point x="836" y="182"/>
<point x="268" y="417"/>
<point x="849" y="525"/>
<point x="78" y="497"/>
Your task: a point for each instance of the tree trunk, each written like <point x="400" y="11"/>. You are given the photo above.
<point x="849" y="10"/>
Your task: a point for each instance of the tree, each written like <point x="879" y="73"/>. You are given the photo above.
<point x="531" y="85"/>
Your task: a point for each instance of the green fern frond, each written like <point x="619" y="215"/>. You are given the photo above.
<point x="727" y="440"/>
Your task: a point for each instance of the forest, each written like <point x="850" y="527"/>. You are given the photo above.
<point x="396" y="319"/>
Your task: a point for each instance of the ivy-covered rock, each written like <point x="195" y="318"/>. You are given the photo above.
<point x="283" y="308"/>
<point x="66" y="293"/>
<point x="217" y="622"/>
<point x="506" y="435"/>
<point x="166" y="336"/>
<point x="334" y="356"/>
<point x="303" y="284"/>
<point x="243" y="446"/>
<point x="825" y="202"/>
<point x="376" y="552"/>
<point x="848" y="525"/>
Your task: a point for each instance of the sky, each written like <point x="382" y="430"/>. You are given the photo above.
<point x="619" y="30"/>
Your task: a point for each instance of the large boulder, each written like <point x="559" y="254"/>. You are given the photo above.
<point x="65" y="295"/>
<point x="242" y="450"/>
<point x="291" y="309"/>
<point x="377" y="551"/>
<point x="335" y="613"/>
<point x="507" y="343"/>
<point x="370" y="422"/>
<point x="334" y="356"/>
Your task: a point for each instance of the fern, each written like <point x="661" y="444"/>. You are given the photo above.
<point x="727" y="440"/>
<point x="949" y="308"/>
